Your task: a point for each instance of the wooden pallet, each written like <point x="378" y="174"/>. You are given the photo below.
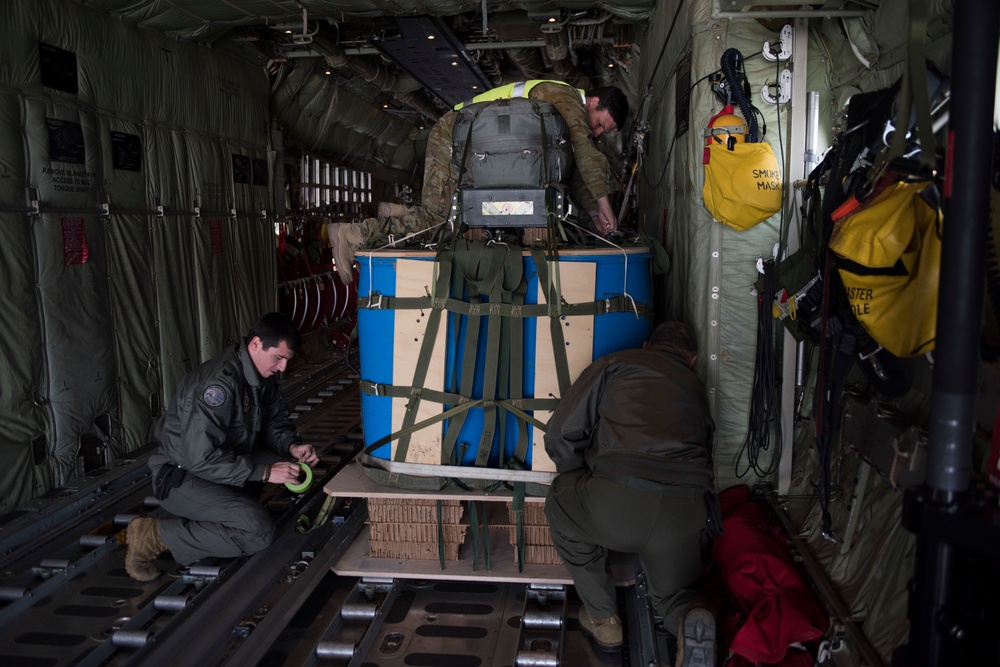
<point x="358" y="561"/>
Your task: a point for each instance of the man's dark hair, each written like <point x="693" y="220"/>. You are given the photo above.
<point x="614" y="100"/>
<point x="274" y="328"/>
<point x="676" y="335"/>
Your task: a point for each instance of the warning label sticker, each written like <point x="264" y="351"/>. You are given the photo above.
<point x="508" y="208"/>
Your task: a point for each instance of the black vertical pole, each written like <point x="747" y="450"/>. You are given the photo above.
<point x="956" y="357"/>
<point x="963" y="255"/>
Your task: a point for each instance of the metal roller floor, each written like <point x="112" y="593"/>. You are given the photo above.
<point x="65" y="598"/>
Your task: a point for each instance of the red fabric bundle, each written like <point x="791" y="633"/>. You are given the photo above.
<point x="773" y="608"/>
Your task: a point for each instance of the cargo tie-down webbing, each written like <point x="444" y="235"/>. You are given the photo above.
<point x="478" y="268"/>
<point x="493" y="269"/>
<point x="481" y="271"/>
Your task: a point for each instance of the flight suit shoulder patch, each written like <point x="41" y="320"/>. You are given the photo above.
<point x="214" y="396"/>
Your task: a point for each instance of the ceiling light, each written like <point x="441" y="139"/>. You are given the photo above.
<point x="288" y="32"/>
<point x="430" y="36"/>
<point x="544" y="16"/>
<point x="442" y="65"/>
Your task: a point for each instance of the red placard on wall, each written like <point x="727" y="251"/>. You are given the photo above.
<point x="215" y="230"/>
<point x="74" y="231"/>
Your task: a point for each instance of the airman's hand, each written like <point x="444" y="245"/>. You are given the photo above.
<point x="606" y="221"/>
<point x="305" y="453"/>
<point x="284" y="472"/>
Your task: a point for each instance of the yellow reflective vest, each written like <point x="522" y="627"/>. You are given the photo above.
<point x="511" y="90"/>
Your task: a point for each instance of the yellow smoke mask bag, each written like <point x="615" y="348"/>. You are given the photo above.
<point x="742" y="180"/>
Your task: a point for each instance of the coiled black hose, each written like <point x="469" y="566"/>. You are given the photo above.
<point x="732" y="61"/>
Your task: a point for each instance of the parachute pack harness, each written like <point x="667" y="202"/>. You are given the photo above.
<point x="742" y="180"/>
<point x="512" y="156"/>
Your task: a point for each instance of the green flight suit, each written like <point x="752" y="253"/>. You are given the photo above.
<point x="224" y="424"/>
<point x="631" y="441"/>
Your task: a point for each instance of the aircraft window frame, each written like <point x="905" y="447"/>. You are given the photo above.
<point x="324" y="186"/>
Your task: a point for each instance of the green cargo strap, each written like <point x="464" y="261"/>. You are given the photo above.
<point x="486" y="542"/>
<point x="513" y="405"/>
<point x="411" y="428"/>
<point x="474" y="537"/>
<point x="440" y="535"/>
<point x="304" y="524"/>
<point x="457" y="410"/>
<point x="518" y="506"/>
<point x="488" y="280"/>
<point x="405" y="391"/>
<point x="472" y="273"/>
<point x="512" y="378"/>
<point x="495" y="342"/>
<point x="913" y="95"/>
<point x="452" y="429"/>
<point x="553" y="295"/>
<point x="443" y="263"/>
<point x="479" y="529"/>
<point x="617" y="303"/>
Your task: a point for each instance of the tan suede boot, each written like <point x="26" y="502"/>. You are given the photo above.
<point x="144" y="545"/>
<point x="606" y="632"/>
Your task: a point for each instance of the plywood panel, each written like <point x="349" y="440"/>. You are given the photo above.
<point x="351" y="482"/>
<point x="578" y="282"/>
<point x="416" y="278"/>
<point x="357" y="563"/>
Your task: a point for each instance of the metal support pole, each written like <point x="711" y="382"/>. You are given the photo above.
<point x="797" y="145"/>
<point x="966" y="216"/>
<point x="963" y="254"/>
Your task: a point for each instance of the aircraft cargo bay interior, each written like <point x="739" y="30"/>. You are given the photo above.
<point x="499" y="333"/>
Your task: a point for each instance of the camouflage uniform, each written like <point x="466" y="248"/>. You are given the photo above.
<point x="591" y="173"/>
<point x="589" y="181"/>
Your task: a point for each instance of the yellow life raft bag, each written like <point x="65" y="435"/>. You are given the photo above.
<point x="889" y="257"/>
<point x="742" y="180"/>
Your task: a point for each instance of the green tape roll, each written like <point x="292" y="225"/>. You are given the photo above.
<point x="299" y="488"/>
